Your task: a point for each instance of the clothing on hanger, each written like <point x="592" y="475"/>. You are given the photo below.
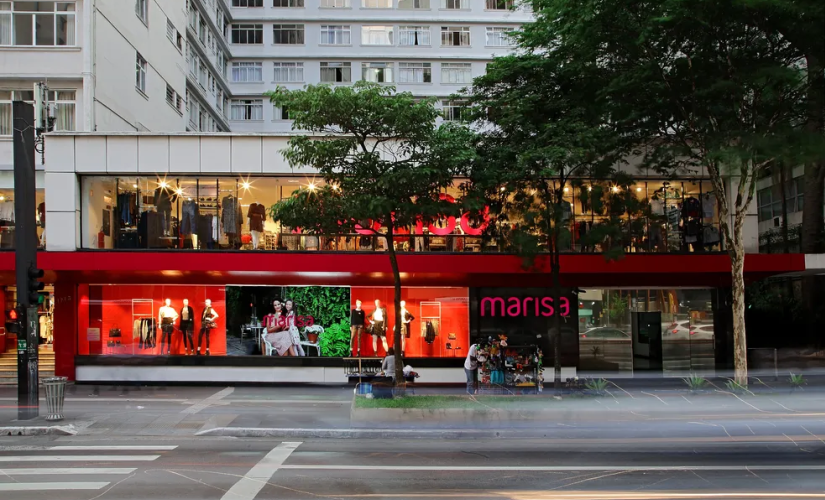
<point x="708" y="205"/>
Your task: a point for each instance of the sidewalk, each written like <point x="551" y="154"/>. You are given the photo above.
<point x="321" y="411"/>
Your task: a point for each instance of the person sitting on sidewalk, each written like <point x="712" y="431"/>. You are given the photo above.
<point x="388" y="365"/>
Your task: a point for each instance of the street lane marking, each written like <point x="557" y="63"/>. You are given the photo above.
<point x="206" y="403"/>
<point x="80" y="458"/>
<point x="113" y="448"/>
<point x="248" y="487"/>
<point x="50" y="471"/>
<point x="51" y="486"/>
<point x="558" y="468"/>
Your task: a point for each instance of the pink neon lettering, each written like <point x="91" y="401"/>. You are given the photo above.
<point x="515" y="306"/>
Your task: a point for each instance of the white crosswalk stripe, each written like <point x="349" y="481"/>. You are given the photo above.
<point x="63" y="455"/>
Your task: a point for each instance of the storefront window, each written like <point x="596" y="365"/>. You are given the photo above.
<point x="7" y="215"/>
<point x="276" y="321"/>
<point x="668" y="331"/>
<point x="233" y="213"/>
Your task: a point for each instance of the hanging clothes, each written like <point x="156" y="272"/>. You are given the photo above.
<point x="229" y="215"/>
<point x="7" y="211"/>
<point x="708" y="205"/>
<point x="430" y="332"/>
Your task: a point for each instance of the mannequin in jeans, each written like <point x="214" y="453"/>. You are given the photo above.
<point x="208" y="317"/>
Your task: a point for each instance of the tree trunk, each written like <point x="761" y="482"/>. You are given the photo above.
<point x="556" y="276"/>
<point x="396" y="336"/>
<point x="737" y="257"/>
<point x="783" y="186"/>
<point x="812" y="220"/>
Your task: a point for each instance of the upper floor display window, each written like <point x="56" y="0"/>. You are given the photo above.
<point x="38" y="24"/>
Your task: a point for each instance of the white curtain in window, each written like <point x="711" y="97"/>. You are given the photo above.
<point x="5" y="118"/>
<point x="65" y="117"/>
<point x="5" y="29"/>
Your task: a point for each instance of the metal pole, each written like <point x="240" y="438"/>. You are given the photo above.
<point x="28" y="401"/>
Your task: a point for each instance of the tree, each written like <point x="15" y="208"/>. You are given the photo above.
<point x="697" y="88"/>
<point x="544" y="127"/>
<point x="384" y="162"/>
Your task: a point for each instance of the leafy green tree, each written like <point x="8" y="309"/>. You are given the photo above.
<point x="545" y="131"/>
<point x="384" y="160"/>
<point x="697" y="88"/>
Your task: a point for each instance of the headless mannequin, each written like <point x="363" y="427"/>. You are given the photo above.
<point x="356" y="327"/>
<point x="378" y="320"/>
<point x="406" y="319"/>
<point x="166" y="318"/>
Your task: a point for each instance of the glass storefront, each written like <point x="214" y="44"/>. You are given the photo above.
<point x="280" y="321"/>
<point x="7" y="216"/>
<point x="667" y="330"/>
<point x="233" y="213"/>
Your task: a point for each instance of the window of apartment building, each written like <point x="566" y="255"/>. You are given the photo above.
<point x="203" y="32"/>
<point x="455" y="4"/>
<point x="288" y="34"/>
<point x="203" y="75"/>
<point x="410" y="36"/>
<point x="376" y="35"/>
<point x="37" y="23"/>
<point x="289" y="72"/>
<point x="287" y="3"/>
<point x="455" y="36"/>
<point x="64" y="101"/>
<point x="247" y="3"/>
<point x="500" y="4"/>
<point x="194" y="16"/>
<point x="280" y="113"/>
<point x="247" y="72"/>
<point x="377" y="4"/>
<point x="248" y="34"/>
<point x="247" y="110"/>
<point x="141" y="9"/>
<point x="456" y="73"/>
<point x="219" y="100"/>
<point x="173" y="99"/>
<point x="336" y="72"/>
<point x="336" y="34"/>
<point x="498" y="36"/>
<point x="335" y="4"/>
<point x="453" y="111"/>
<point x="413" y="4"/>
<point x="174" y="35"/>
<point x="222" y="64"/>
<point x="140" y="73"/>
<point x="769" y="200"/>
<point x="377" y="72"/>
<point x="415" y="72"/>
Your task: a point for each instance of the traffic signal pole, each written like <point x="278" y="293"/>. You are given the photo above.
<point x="27" y="273"/>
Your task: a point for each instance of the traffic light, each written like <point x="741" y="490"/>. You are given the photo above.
<point x="34" y="286"/>
<point x="13" y="320"/>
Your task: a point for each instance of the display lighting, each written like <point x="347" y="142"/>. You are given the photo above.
<point x="311" y="186"/>
<point x="566" y="189"/>
<point x="336" y="187"/>
<point x="638" y="190"/>
<point x="503" y="189"/>
<point x="2" y="198"/>
<point x="590" y="188"/>
<point x="179" y="192"/>
<point x="163" y="184"/>
<point x="245" y="185"/>
<point x="615" y="189"/>
<point x="134" y="186"/>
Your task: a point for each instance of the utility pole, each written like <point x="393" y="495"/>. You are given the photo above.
<point x="27" y="273"/>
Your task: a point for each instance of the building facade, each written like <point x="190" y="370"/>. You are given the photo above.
<point x="135" y="219"/>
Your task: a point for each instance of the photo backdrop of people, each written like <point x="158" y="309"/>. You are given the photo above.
<point x="299" y="320"/>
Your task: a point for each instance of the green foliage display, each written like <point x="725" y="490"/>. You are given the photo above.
<point x="328" y="305"/>
<point x="335" y="342"/>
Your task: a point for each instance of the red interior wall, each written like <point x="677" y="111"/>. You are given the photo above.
<point x="114" y="303"/>
<point x="65" y="319"/>
<point x="455" y="319"/>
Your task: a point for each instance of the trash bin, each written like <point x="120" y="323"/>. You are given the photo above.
<point x="55" y="395"/>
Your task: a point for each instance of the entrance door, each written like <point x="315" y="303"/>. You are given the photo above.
<point x="647" y="341"/>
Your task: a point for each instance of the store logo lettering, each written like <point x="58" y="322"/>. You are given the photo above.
<point x="300" y="321"/>
<point x="515" y="306"/>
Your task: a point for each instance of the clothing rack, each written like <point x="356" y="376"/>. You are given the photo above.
<point x="136" y="316"/>
<point x="430" y="314"/>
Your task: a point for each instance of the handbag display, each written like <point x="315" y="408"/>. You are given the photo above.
<point x="114" y="333"/>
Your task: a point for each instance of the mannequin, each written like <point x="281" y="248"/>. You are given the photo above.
<point x="378" y="320"/>
<point x="357" y="319"/>
<point x="406" y="319"/>
<point x="187" y="326"/>
<point x="297" y="349"/>
<point x="166" y="318"/>
<point x="256" y="215"/>
<point x="208" y="317"/>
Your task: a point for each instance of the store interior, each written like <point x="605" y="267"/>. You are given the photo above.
<point x="7" y="215"/>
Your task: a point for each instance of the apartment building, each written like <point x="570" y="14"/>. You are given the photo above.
<point x="431" y="48"/>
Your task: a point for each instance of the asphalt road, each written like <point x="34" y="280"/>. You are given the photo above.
<point x="92" y="468"/>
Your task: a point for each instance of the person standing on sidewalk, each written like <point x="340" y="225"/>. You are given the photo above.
<point x="471" y="368"/>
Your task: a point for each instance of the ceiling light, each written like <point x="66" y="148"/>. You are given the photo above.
<point x="2" y="198"/>
<point x="179" y="191"/>
<point x="163" y="184"/>
<point x="590" y="188"/>
<point x="638" y="190"/>
<point x="503" y="189"/>
<point x="245" y="185"/>
<point x="134" y="186"/>
<point x="615" y="189"/>
<point x="311" y="186"/>
<point x="566" y="189"/>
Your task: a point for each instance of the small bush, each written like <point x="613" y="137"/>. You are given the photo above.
<point x="598" y="386"/>
<point x="735" y="387"/>
<point x="797" y="380"/>
<point x="696" y="383"/>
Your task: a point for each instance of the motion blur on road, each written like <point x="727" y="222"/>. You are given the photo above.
<point x="303" y="443"/>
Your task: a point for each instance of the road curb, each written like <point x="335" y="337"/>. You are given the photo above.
<point x="53" y="430"/>
<point x="262" y="432"/>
